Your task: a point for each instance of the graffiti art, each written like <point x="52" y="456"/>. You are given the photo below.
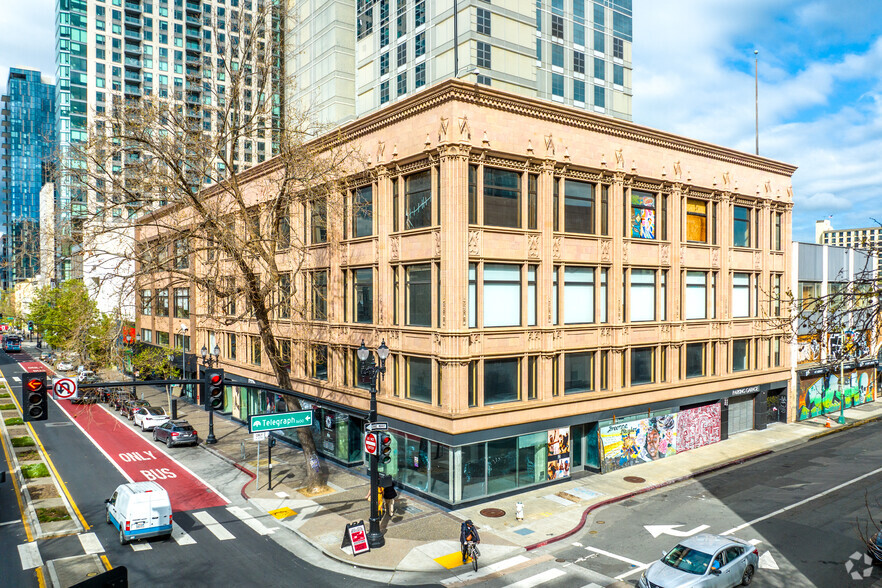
<point x="819" y="395"/>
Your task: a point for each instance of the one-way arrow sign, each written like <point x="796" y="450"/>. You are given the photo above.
<point x="657" y="530"/>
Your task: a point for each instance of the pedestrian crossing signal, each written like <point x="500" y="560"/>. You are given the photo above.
<point x="34" y="396"/>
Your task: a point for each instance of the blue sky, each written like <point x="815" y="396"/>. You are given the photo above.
<point x="820" y="86"/>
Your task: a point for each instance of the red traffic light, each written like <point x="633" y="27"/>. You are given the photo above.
<point x="216" y="379"/>
<point x="34" y="385"/>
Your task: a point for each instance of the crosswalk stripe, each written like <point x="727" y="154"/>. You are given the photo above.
<point x="212" y="525"/>
<point x="614" y="556"/>
<point x="249" y="520"/>
<point x="90" y="543"/>
<point x="540" y="578"/>
<point x="180" y="536"/>
<point x="30" y="555"/>
<point x="141" y="546"/>
<point x="487" y="570"/>
<point x="17" y="379"/>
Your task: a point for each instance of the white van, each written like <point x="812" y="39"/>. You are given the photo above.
<point x="140" y="510"/>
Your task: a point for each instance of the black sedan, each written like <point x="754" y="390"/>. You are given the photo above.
<point x="178" y="432"/>
<point x="130" y="406"/>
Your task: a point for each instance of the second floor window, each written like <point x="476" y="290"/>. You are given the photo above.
<point x="741" y="227"/>
<point x="182" y="302"/>
<point x="318" y="220"/>
<point x="146" y="302"/>
<point x="162" y="302"/>
<point x="320" y="295"/>
<point x="502" y="295"/>
<point x="418" y="200"/>
<point x="363" y="213"/>
<point x="578" y="207"/>
<point x="502" y="198"/>
<point x="418" y="283"/>
<point x="642" y="295"/>
<point x="182" y="257"/>
<point x="363" y="295"/>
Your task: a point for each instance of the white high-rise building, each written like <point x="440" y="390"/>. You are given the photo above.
<point x="350" y="57"/>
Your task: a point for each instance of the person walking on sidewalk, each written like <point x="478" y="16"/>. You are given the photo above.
<point x="467" y="532"/>
<point x="387" y="486"/>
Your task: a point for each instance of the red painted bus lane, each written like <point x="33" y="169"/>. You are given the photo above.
<point x="140" y="460"/>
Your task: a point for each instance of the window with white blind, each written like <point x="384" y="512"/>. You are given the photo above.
<point x="642" y="295"/>
<point x="740" y="295"/>
<point x="696" y="295"/>
<point x="502" y="295"/>
<point x="578" y="295"/>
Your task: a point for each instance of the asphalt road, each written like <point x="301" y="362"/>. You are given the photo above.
<point x="228" y="553"/>
<point x="806" y="508"/>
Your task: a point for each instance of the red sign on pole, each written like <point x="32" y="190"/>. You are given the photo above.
<point x="358" y="538"/>
<point x="370" y="443"/>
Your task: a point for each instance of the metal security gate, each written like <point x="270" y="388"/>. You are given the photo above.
<point x="740" y="414"/>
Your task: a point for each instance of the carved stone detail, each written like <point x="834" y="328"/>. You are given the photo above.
<point x="757" y="260"/>
<point x="474" y="243"/>
<point x="437" y="342"/>
<point x="678" y="172"/>
<point x="555" y="247"/>
<point x="437" y="238"/>
<point x="533" y="246"/>
<point x="465" y="132"/>
<point x="474" y="339"/>
<point x="394" y="246"/>
<point x="625" y="252"/>
<point x="606" y="251"/>
<point x="683" y="255"/>
<point x="620" y="160"/>
<point x="665" y="254"/>
<point x="465" y="313"/>
<point x="442" y="131"/>
<point x="715" y="258"/>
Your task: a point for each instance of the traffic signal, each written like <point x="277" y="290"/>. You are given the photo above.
<point x="213" y="389"/>
<point x="34" y="396"/>
<point x="384" y="451"/>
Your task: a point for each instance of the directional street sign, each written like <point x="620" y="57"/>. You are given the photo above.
<point x="65" y="388"/>
<point x="280" y="420"/>
<point x="261" y="436"/>
<point x="377" y="426"/>
<point x="370" y="444"/>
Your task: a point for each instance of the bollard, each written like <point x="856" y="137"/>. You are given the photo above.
<point x="519" y="511"/>
<point x="174" y="409"/>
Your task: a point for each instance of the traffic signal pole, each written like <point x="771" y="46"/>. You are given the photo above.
<point x="375" y="535"/>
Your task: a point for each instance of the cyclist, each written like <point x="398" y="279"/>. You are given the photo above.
<point x="467" y="532"/>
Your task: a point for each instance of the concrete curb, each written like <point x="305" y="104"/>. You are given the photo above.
<point x="845" y="427"/>
<point x="627" y="495"/>
<point x="235" y="464"/>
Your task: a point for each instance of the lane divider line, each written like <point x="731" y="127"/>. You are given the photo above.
<point x="106" y="563"/>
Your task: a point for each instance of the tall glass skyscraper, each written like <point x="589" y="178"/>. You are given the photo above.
<point x="27" y="120"/>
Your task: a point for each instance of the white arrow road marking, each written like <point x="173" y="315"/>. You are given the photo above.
<point x="249" y="520"/>
<point x="767" y="562"/>
<point x="657" y="530"/>
<point x="212" y="525"/>
<point x="180" y="536"/>
<point x="30" y="555"/>
<point x="91" y="543"/>
<point x="734" y="530"/>
<point x="545" y="576"/>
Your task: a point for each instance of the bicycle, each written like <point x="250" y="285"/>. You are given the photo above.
<point x="473" y="553"/>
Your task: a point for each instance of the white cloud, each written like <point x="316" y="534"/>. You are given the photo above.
<point x="820" y="105"/>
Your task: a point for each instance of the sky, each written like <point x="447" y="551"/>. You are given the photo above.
<point x="820" y="87"/>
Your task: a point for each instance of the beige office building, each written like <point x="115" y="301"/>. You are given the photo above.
<point x="561" y="291"/>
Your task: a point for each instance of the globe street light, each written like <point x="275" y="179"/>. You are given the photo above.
<point x="369" y="371"/>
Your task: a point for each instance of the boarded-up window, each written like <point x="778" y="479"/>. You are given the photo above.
<point x="696" y="220"/>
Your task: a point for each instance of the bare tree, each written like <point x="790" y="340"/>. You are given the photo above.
<point x="172" y="199"/>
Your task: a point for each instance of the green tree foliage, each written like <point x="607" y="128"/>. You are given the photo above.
<point x="153" y="360"/>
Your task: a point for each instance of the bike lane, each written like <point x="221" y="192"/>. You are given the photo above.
<point x="139" y="460"/>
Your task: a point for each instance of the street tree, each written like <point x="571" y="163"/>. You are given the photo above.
<point x="175" y="202"/>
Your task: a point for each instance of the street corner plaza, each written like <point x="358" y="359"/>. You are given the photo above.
<point x="140" y="460"/>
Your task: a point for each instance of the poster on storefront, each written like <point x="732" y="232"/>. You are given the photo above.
<point x="697" y="427"/>
<point x="558" y="453"/>
<point x="329" y="433"/>
<point x="808" y="349"/>
<point x="638" y="441"/>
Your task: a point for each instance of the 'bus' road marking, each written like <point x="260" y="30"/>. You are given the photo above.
<point x="181" y="536"/>
<point x="30" y="555"/>
<point x="545" y="576"/>
<point x="212" y="525"/>
<point x="90" y="543"/>
<point x="249" y="520"/>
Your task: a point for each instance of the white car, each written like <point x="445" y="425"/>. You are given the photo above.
<point x="148" y="417"/>
<point x="64" y="366"/>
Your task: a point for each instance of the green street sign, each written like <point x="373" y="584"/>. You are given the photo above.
<point x="282" y="420"/>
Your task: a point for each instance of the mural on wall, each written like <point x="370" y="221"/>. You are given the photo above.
<point x="697" y="427"/>
<point x="558" y="453"/>
<point x="808" y="349"/>
<point x="642" y="216"/>
<point x="639" y="441"/>
<point x="820" y="394"/>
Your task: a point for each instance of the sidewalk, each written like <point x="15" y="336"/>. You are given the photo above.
<point x="423" y="537"/>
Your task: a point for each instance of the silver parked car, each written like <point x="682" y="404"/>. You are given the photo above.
<point x="706" y="561"/>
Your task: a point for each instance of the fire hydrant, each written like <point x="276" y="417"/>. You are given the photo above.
<point x="519" y="511"/>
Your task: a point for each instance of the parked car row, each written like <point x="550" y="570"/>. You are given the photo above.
<point x="154" y="418"/>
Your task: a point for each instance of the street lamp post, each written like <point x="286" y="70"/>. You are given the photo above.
<point x="370" y="370"/>
<point x="183" y="329"/>
<point x="210" y="360"/>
